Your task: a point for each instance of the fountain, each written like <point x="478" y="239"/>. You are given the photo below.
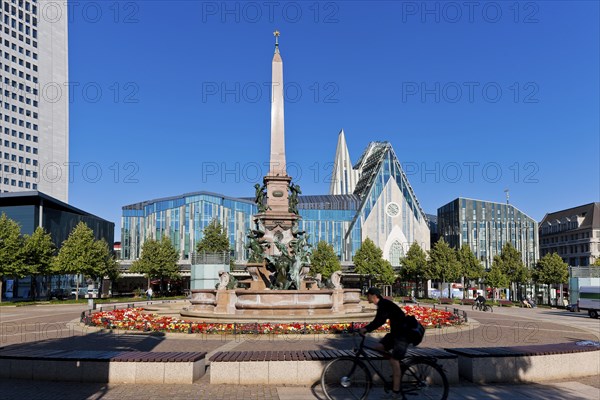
<point x="279" y="262"/>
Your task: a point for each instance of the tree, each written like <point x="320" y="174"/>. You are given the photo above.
<point x="214" y="239"/>
<point x="79" y="255"/>
<point x="109" y="267"/>
<point x="596" y="263"/>
<point x="158" y="260"/>
<point x="39" y="251"/>
<point x="368" y="260"/>
<point x="11" y="250"/>
<point x="471" y="268"/>
<point x="512" y="266"/>
<point x="495" y="277"/>
<point x="551" y="269"/>
<point x="414" y="264"/>
<point x="443" y="263"/>
<point x="324" y="261"/>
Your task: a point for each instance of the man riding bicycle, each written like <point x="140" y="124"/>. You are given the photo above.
<point x="480" y="300"/>
<point x="395" y="341"/>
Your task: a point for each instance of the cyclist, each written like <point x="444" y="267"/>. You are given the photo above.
<point x="395" y="340"/>
<point x="480" y="302"/>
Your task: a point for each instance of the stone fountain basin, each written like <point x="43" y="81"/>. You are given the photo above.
<point x="275" y="304"/>
<point x="284" y="299"/>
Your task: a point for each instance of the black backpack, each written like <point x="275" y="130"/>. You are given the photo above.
<point x="413" y="330"/>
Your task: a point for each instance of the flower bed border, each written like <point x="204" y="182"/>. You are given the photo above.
<point x="133" y="319"/>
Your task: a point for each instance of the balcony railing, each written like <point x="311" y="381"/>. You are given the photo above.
<point x="209" y="258"/>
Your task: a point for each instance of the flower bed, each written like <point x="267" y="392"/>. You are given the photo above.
<point x="134" y="319"/>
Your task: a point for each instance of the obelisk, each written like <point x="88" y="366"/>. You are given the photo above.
<point x="277" y="161"/>
<point x="279" y="251"/>
<point x="277" y="181"/>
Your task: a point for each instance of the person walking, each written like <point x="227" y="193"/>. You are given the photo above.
<point x="149" y="293"/>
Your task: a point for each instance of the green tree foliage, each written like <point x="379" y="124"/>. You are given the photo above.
<point x="414" y="264"/>
<point x="551" y="269"/>
<point x="214" y="239"/>
<point x="470" y="267"/>
<point x="158" y="261"/>
<point x="109" y="266"/>
<point x="512" y="264"/>
<point x="513" y="267"/>
<point x="11" y="250"/>
<point x="39" y="251"/>
<point x="80" y="254"/>
<point x="495" y="277"/>
<point x="596" y="263"/>
<point x="368" y="260"/>
<point x="443" y="263"/>
<point x="324" y="261"/>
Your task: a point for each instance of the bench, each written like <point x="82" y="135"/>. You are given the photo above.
<point x="528" y="363"/>
<point x="505" y="303"/>
<point x="467" y="302"/>
<point x="300" y="367"/>
<point x="445" y="300"/>
<point x="408" y="299"/>
<point x="102" y="366"/>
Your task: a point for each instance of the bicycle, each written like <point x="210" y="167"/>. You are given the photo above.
<point x="478" y="306"/>
<point x="348" y="377"/>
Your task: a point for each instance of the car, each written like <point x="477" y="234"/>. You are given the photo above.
<point x="572" y="307"/>
<point x="82" y="292"/>
<point x="60" y="294"/>
<point x="92" y="294"/>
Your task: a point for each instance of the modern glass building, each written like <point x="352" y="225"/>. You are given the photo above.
<point x="35" y="209"/>
<point x="376" y="202"/>
<point x="486" y="227"/>
<point x="183" y="219"/>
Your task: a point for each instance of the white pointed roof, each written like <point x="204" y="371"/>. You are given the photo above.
<point x="343" y="176"/>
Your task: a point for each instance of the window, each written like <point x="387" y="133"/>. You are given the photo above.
<point x="396" y="253"/>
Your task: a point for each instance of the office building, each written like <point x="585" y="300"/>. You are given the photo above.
<point x="574" y="234"/>
<point x="486" y="227"/>
<point x="34" y="97"/>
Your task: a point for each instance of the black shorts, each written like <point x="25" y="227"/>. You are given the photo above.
<point x="397" y="344"/>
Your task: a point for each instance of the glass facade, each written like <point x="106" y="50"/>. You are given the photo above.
<point x="486" y="227"/>
<point x="33" y="209"/>
<point x="184" y="218"/>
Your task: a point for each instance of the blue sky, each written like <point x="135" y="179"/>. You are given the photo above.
<point x="172" y="97"/>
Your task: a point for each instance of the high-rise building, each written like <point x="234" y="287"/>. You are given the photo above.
<point x="34" y="101"/>
<point x="486" y="226"/>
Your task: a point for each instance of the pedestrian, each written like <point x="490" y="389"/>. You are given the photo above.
<point x="149" y="293"/>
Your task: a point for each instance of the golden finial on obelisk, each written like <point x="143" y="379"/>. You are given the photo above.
<point x="276" y="34"/>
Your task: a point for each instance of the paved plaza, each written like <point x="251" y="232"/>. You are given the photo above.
<point x="56" y="327"/>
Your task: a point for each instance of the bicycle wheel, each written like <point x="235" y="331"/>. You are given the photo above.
<point x="474" y="306"/>
<point x="488" y="308"/>
<point x="346" y="378"/>
<point x="424" y="379"/>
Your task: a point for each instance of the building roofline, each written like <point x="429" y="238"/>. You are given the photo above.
<point x="592" y="205"/>
<point x="184" y="195"/>
<point x="494" y="202"/>
<point x="43" y="196"/>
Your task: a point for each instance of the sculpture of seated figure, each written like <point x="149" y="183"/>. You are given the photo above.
<point x="223" y="280"/>
<point x="335" y="280"/>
